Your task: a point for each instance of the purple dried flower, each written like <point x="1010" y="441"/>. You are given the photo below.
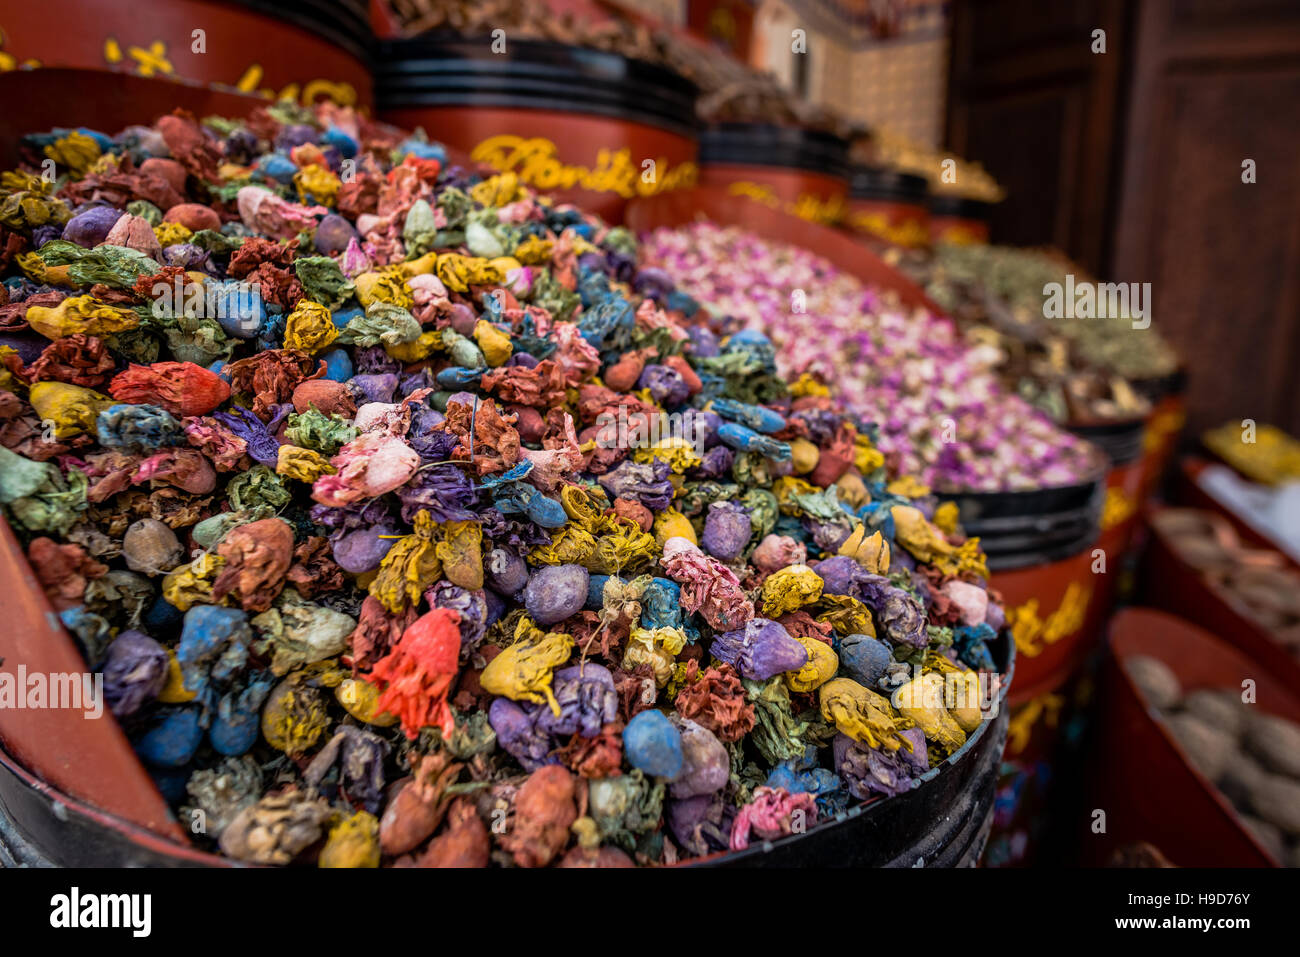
<point x="715" y="464"/>
<point x="135" y="670"/>
<point x="727" y="529"/>
<point x="517" y="732"/>
<point x="588" y="701"/>
<point x="556" y="592"/>
<point x="472" y="606"/>
<point x="359" y="756"/>
<point x="377" y="387"/>
<point x="647" y="484"/>
<point x="869" y="771"/>
<point x="706" y="765"/>
<point x="760" y="650"/>
<point x="373" y="360"/>
<point x="506" y="569"/>
<point x="443" y="490"/>
<point x="262" y="445"/>
<point x="701" y="824"/>
<point x="667" y="386"/>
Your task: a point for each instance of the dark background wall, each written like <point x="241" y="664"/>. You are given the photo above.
<point x="1130" y="161"/>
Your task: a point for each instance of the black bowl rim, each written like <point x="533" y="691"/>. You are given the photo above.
<point x="345" y="23"/>
<point x="775" y="145"/>
<point x="867" y="181"/>
<point x="450" y="70"/>
<point x="962" y="207"/>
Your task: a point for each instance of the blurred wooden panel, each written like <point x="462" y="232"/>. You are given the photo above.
<point x="1217" y="82"/>
<point x="1039" y="176"/>
<point x="1032" y="102"/>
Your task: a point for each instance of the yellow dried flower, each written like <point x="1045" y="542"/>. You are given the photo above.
<point x="523" y="671"/>
<point x="305" y="465"/>
<point x="822" y="665"/>
<point x="80" y="314"/>
<point x="410" y="567"/>
<point x="789" y="590"/>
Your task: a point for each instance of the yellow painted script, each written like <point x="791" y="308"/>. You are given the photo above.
<point x="1117" y="508"/>
<point x="806" y="206"/>
<point x="536" y="161"/>
<point x="1021" y="727"/>
<point x="907" y="233"/>
<point x="1033" y="633"/>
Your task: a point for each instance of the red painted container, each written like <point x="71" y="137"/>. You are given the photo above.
<point x="1173" y="584"/>
<point x="1040" y="747"/>
<point x="1041" y="548"/>
<point x="1141" y="777"/>
<point x="589" y="127"/>
<point x="1122" y="442"/>
<point x="1168" y="398"/>
<point x="788" y="169"/>
<point x="889" y="207"/>
<point x="305" y="50"/>
<point x="959" y="219"/>
<point x="70" y="752"/>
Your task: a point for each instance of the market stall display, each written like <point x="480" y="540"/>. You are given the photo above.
<point x="1196" y="751"/>
<point x="1197" y="566"/>
<point x="1091" y="368"/>
<point x="1080" y="368"/>
<point x="961" y="195"/>
<point x="755" y="138"/>
<point x="1261" y="452"/>
<point x="393" y="501"/>
<point x="1028" y="489"/>
<point x="888" y="207"/>
<point x="1031" y="491"/>
<point x="942" y="416"/>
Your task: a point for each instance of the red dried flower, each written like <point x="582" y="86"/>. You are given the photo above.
<point x="63" y="571"/>
<point x="182" y="388"/>
<point x="314" y="571"/>
<point x="495" y="443"/>
<point x="257" y="251"/>
<point x="377" y="631"/>
<point x="463" y="843"/>
<point x="257" y="557"/>
<point x="186" y="469"/>
<point x="716" y="700"/>
<point x="225" y="449"/>
<point x="13" y="316"/>
<point x="544" y="811"/>
<point x="802" y="624"/>
<point x="541" y="387"/>
<point x="189" y="147"/>
<point x="110" y="473"/>
<point x="279" y="287"/>
<point x="416" y="677"/>
<point x="271" y="377"/>
<point x="598" y="757"/>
